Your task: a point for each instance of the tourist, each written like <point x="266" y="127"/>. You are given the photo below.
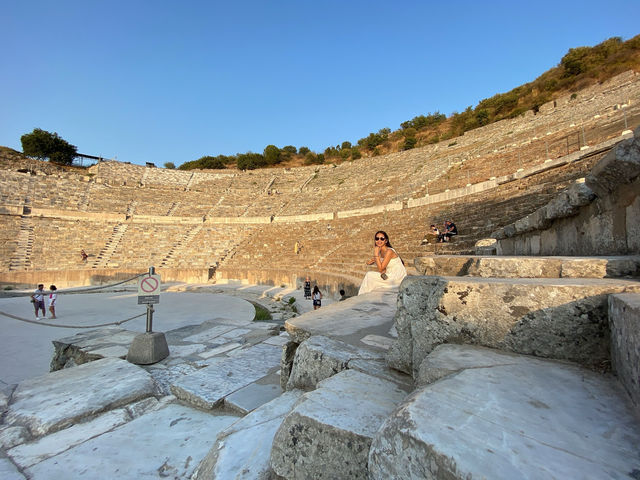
<point x="53" y="296"/>
<point x="307" y="289"/>
<point x="450" y="230"/>
<point x="390" y="267"/>
<point x="83" y="255"/>
<point x="317" y="298"/>
<point x="343" y="296"/>
<point x="297" y="247"/>
<point x="38" y="301"/>
<point x="432" y="236"/>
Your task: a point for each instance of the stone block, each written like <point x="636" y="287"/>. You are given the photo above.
<point x="621" y="165"/>
<point x="148" y="348"/>
<point x="208" y="387"/>
<point x="554" y="318"/>
<point x="624" y="320"/>
<point x="328" y="434"/>
<point x="579" y="194"/>
<point x="512" y="417"/>
<point x="321" y="357"/>
<point x="242" y="450"/>
<point x="54" y="401"/>
<point x="486" y="246"/>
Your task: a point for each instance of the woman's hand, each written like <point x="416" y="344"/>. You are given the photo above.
<point x="371" y="261"/>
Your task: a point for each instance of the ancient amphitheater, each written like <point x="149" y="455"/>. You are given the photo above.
<point x="512" y="352"/>
<point x="192" y="224"/>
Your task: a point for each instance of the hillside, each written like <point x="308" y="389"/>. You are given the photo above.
<point x="580" y="68"/>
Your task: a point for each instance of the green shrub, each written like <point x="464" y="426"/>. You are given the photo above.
<point x="262" y="314"/>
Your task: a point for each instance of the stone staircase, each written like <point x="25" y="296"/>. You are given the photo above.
<point x="176" y="249"/>
<point x="21" y="256"/>
<point x="103" y="258"/>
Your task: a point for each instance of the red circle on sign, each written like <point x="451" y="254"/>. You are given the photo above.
<point x="148" y="284"/>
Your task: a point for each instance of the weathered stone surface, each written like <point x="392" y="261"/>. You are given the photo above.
<point x="91" y="345"/>
<point x="619" y="166"/>
<point x="624" y="320"/>
<point x="207" y="387"/>
<point x="254" y="395"/>
<point x="515" y="418"/>
<point x="529" y="266"/>
<point x="8" y="470"/>
<point x="329" y="432"/>
<point x="579" y="194"/>
<point x="349" y="320"/>
<point x="137" y="449"/>
<point x="242" y="450"/>
<point x="486" y="246"/>
<point x="12" y="436"/>
<point x="320" y="357"/>
<point x="449" y="358"/>
<point x="5" y="394"/>
<point x="553" y="318"/>
<point x="29" y="454"/>
<point x="50" y="402"/>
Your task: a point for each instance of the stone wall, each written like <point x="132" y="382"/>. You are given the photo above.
<point x="624" y="312"/>
<point x="599" y="215"/>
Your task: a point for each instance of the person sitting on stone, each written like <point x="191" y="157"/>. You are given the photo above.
<point x="450" y="230"/>
<point x="432" y="235"/>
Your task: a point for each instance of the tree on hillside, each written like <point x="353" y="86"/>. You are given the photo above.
<point x="42" y="144"/>
<point x="169" y="165"/>
<point x="272" y="155"/>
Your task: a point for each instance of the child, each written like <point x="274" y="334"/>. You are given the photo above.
<point x="317" y="298"/>
<point x="53" y="296"/>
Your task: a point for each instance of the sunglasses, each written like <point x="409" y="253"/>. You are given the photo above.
<point x="380" y="238"/>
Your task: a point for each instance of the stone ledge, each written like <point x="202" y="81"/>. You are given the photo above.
<point x="529" y="267"/>
<point x="552" y="318"/>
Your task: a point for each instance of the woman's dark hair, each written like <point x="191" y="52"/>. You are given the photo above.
<point x="52" y="287"/>
<point x="316" y="289"/>
<point x="385" y="236"/>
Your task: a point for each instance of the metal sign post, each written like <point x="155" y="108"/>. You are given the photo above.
<point x="149" y="294"/>
<point x="149" y="347"/>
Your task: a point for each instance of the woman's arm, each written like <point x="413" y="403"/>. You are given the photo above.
<point x="382" y="265"/>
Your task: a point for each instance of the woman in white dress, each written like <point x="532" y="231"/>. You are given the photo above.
<point x="390" y="269"/>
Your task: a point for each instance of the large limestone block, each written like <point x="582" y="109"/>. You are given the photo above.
<point x="621" y="165"/>
<point x="624" y="315"/>
<point x="554" y="318"/>
<point x="50" y="402"/>
<point x="510" y="418"/>
<point x="321" y="357"/>
<point x="349" y="320"/>
<point x="242" y="450"/>
<point x="166" y="443"/>
<point x="208" y="387"/>
<point x="328" y="435"/>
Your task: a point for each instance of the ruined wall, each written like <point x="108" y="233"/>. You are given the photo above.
<point x="598" y="215"/>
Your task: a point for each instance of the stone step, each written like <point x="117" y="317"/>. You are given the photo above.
<point x="328" y="434"/>
<point x="529" y="267"/>
<point x="554" y="318"/>
<point x="538" y="419"/>
<point x="59" y="399"/>
<point x="349" y="321"/>
<point x="320" y="357"/>
<point x="208" y="387"/>
<point x="253" y="437"/>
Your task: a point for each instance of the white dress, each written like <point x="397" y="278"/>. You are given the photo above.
<point x="395" y="273"/>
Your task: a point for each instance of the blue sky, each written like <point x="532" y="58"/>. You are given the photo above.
<point x="171" y="81"/>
